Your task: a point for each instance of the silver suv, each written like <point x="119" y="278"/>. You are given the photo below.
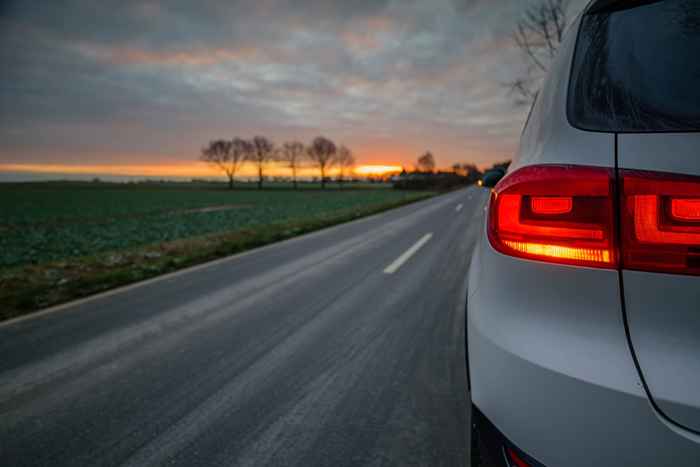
<point x="583" y="320"/>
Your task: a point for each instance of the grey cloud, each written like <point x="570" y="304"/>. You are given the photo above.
<point x="165" y="76"/>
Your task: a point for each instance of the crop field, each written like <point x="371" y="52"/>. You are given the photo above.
<point x="64" y="240"/>
<point x="49" y="222"/>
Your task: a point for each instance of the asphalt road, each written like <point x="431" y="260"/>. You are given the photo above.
<point x="343" y="347"/>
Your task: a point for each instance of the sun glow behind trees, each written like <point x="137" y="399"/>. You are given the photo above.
<point x="376" y="169"/>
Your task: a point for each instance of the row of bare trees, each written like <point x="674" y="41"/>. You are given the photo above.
<point x="323" y="154"/>
<point x="426" y="164"/>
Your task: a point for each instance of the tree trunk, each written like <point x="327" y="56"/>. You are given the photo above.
<point x="294" y="177"/>
<point x="323" y="178"/>
<point x="230" y="182"/>
<point x="260" y="178"/>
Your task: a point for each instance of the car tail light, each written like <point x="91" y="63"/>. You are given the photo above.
<point x="556" y="213"/>
<point x="660" y="222"/>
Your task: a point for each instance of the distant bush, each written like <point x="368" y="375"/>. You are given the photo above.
<point x="440" y="181"/>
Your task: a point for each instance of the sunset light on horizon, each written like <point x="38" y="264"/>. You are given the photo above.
<point x="182" y="171"/>
<point x="377" y="169"/>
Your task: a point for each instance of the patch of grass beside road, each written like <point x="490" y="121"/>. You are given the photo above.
<point x="62" y="242"/>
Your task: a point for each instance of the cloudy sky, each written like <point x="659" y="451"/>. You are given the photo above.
<point x="132" y="83"/>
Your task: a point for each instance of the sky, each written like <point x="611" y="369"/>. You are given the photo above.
<point x="139" y="87"/>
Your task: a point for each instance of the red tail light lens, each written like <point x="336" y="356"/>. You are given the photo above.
<point x="555" y="213"/>
<point x="551" y="204"/>
<point x="686" y="209"/>
<point x="564" y="214"/>
<point x="660" y="222"/>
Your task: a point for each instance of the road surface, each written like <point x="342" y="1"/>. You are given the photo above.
<point x="343" y="347"/>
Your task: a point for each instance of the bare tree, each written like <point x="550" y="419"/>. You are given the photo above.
<point x="426" y="162"/>
<point x="346" y="161"/>
<point x="242" y="150"/>
<point x="323" y="154"/>
<point x="292" y="153"/>
<point x="262" y="153"/>
<point x="224" y="155"/>
<point x="538" y="35"/>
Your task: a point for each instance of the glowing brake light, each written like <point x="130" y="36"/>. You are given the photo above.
<point x="551" y="204"/>
<point x="555" y="213"/>
<point x="660" y="222"/>
<point x="565" y="214"/>
<point x="686" y="209"/>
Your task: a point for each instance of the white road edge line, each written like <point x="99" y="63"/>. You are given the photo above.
<point x="393" y="267"/>
<point x="459" y="207"/>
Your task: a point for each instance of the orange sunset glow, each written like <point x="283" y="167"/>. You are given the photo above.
<point x="377" y="169"/>
<point x="183" y="170"/>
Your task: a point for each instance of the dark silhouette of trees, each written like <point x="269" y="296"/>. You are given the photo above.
<point x="322" y="153"/>
<point x="468" y="170"/>
<point x="462" y="174"/>
<point x="292" y="154"/>
<point x="224" y="155"/>
<point x="263" y="152"/>
<point x="501" y="165"/>
<point x="230" y="155"/>
<point x="241" y="151"/>
<point x="346" y="161"/>
<point x="426" y="162"/>
<point x="538" y="35"/>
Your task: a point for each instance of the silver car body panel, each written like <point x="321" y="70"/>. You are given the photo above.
<point x="551" y="369"/>
<point x="663" y="310"/>
<point x="662" y="152"/>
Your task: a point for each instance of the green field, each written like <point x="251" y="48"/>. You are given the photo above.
<point x="45" y="222"/>
<point x="85" y="237"/>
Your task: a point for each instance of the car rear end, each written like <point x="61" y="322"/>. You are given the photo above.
<point x="583" y="320"/>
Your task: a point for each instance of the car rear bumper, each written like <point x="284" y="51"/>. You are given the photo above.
<point x="551" y="369"/>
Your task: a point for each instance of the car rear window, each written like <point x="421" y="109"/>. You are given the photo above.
<point x="638" y="69"/>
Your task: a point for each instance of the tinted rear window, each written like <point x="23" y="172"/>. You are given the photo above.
<point x="638" y="69"/>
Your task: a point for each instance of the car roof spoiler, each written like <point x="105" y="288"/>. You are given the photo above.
<point x="607" y="6"/>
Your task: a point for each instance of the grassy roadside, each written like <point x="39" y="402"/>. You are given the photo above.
<point x="27" y="289"/>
